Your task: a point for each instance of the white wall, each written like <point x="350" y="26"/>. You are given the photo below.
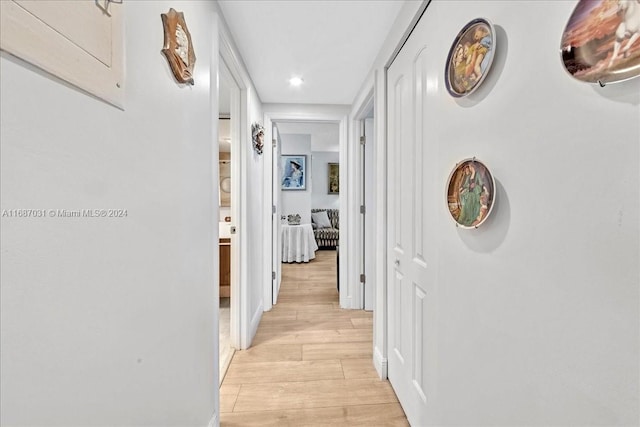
<point x="298" y="201"/>
<point x="537" y="311"/>
<point x="110" y="321"/>
<point x="320" y="197"/>
<point x="257" y="202"/>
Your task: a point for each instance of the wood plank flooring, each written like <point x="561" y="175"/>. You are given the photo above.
<point x="311" y="362"/>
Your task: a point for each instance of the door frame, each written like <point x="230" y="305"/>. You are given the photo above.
<point x="276" y="198"/>
<point x="374" y="95"/>
<point x="361" y="108"/>
<point x="278" y="113"/>
<point x="240" y="321"/>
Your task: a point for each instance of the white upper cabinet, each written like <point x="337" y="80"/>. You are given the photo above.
<point x="79" y="41"/>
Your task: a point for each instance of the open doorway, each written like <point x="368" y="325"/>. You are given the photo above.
<point x="226" y="348"/>
<point x="306" y="165"/>
<point x="293" y="123"/>
<point x="232" y="293"/>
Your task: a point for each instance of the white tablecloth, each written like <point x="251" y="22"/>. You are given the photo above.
<point x="298" y="243"/>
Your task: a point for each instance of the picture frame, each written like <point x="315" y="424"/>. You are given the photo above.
<point x="294" y="172"/>
<point x="470" y="58"/>
<point x="333" y="175"/>
<point x="470" y="193"/>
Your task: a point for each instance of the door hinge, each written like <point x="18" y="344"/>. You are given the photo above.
<point x="273" y="143"/>
<point x="362" y="209"/>
<point x="363" y="140"/>
<point x="273" y="275"/>
<point x="363" y="278"/>
<point x="273" y="209"/>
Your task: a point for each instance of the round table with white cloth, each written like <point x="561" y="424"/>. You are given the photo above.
<point x="298" y="243"/>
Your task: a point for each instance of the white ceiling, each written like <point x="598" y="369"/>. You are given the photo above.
<point x="330" y="44"/>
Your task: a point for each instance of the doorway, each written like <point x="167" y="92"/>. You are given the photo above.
<point x="234" y="326"/>
<point x="226" y="348"/>
<point x="306" y="163"/>
<point x="316" y="143"/>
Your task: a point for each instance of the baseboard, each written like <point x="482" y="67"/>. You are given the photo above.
<point x="255" y="322"/>
<point x="215" y="422"/>
<point x="380" y="363"/>
<point x="347" y="303"/>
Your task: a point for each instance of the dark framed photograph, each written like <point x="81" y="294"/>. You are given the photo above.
<point x="294" y="172"/>
<point x="334" y="178"/>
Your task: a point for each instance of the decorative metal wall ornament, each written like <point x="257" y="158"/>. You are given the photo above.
<point x="257" y="135"/>
<point x="178" y="48"/>
<point x="470" y="58"/>
<point x="601" y="42"/>
<point x="470" y="193"/>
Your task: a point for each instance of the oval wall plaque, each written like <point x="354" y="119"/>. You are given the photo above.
<point x="470" y="58"/>
<point x="470" y="193"/>
<point x="601" y="42"/>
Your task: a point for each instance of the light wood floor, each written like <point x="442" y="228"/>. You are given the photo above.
<point x="311" y="362"/>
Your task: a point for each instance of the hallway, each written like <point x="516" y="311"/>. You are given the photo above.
<point x="311" y="362"/>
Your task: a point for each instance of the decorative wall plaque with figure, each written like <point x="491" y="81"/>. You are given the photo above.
<point x="601" y="43"/>
<point x="178" y="48"/>
<point x="470" y="58"/>
<point x="257" y="136"/>
<point x="470" y="193"/>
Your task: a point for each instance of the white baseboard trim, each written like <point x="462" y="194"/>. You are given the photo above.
<point x="215" y="422"/>
<point x="345" y="303"/>
<point x="255" y="322"/>
<point x="380" y="363"/>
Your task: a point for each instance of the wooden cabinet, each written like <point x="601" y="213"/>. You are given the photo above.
<point x="225" y="267"/>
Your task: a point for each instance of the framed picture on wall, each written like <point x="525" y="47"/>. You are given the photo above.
<point x="334" y="177"/>
<point x="294" y="172"/>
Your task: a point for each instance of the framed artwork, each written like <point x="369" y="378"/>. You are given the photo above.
<point x="178" y="48"/>
<point x="601" y="42"/>
<point x="470" y="193"/>
<point x="334" y="178"/>
<point x="294" y="172"/>
<point x="470" y="58"/>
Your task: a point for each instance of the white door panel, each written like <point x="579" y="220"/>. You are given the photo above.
<point x="412" y="208"/>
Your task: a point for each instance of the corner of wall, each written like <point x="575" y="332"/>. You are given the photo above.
<point x="214" y="422"/>
<point x="380" y="363"/>
<point x="255" y="322"/>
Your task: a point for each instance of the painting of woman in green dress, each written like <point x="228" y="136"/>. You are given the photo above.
<point x="470" y="193"/>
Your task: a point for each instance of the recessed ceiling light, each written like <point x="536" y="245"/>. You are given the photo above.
<point x="295" y="81"/>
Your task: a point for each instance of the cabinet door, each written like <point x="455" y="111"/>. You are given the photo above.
<point x="79" y="41"/>
<point x="225" y="267"/>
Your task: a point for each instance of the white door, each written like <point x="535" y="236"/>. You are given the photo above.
<point x="276" y="236"/>
<point x="369" y="249"/>
<point x="414" y="201"/>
